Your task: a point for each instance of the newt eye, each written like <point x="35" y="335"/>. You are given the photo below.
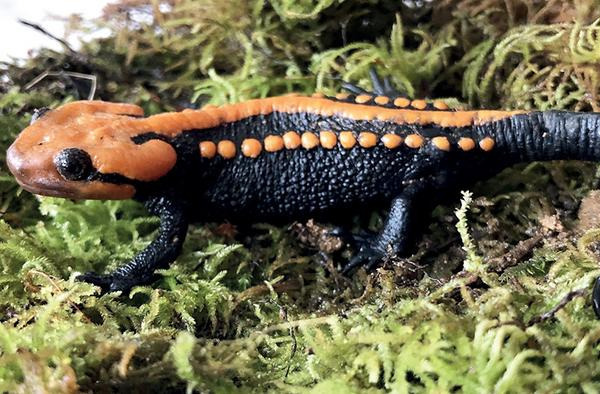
<point x="73" y="164"/>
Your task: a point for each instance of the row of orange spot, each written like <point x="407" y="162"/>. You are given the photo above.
<point x="252" y="147"/>
<point x="400" y="102"/>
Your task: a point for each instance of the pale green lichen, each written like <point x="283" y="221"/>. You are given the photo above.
<point x="473" y="262"/>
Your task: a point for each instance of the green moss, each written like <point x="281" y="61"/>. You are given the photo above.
<point x="261" y="312"/>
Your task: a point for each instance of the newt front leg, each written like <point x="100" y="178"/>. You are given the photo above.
<point x="159" y="254"/>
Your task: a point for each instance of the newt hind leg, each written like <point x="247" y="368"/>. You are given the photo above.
<point x="396" y="237"/>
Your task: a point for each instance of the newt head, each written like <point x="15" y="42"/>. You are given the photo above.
<point x="85" y="150"/>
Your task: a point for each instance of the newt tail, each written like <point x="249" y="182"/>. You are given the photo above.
<point x="286" y="158"/>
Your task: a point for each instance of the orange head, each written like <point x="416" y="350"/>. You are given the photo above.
<point x="67" y="152"/>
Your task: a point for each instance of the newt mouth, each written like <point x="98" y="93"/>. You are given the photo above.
<point x="46" y="188"/>
<point x="36" y="180"/>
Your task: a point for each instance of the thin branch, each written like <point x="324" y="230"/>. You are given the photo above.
<point x="45" y="74"/>
<point x="562" y="303"/>
<point x="45" y="32"/>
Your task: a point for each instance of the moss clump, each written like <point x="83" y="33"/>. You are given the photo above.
<point x="255" y="310"/>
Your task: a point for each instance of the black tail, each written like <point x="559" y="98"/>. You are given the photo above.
<point x="549" y="135"/>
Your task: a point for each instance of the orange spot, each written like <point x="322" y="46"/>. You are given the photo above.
<point x="441" y="143"/>
<point x="347" y="139"/>
<point x="94" y="106"/>
<point x="309" y="140"/>
<point x="226" y="149"/>
<point x="342" y="96"/>
<point x="487" y="144"/>
<point x="466" y="144"/>
<point x="208" y="149"/>
<point x="251" y="147"/>
<point x="382" y="100"/>
<point x="391" y="141"/>
<point x="419" y="104"/>
<point x="362" y="98"/>
<point x="273" y="143"/>
<point x="291" y="140"/>
<point x="439" y="104"/>
<point x="414" y="141"/>
<point x="328" y="139"/>
<point x="317" y="95"/>
<point x="401" y="102"/>
<point x="366" y="139"/>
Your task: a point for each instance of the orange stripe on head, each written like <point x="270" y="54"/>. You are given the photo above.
<point x="95" y="106"/>
<point x="133" y="161"/>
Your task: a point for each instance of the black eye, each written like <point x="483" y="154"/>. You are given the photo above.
<point x="38" y="113"/>
<point x="73" y="164"/>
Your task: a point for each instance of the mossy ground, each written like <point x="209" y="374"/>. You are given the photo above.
<point x="257" y="310"/>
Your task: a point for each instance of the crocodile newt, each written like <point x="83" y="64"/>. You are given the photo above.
<point x="285" y="158"/>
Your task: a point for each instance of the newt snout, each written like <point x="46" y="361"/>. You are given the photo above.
<point x="35" y="175"/>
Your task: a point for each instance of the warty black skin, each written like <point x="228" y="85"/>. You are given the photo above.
<point x="294" y="184"/>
